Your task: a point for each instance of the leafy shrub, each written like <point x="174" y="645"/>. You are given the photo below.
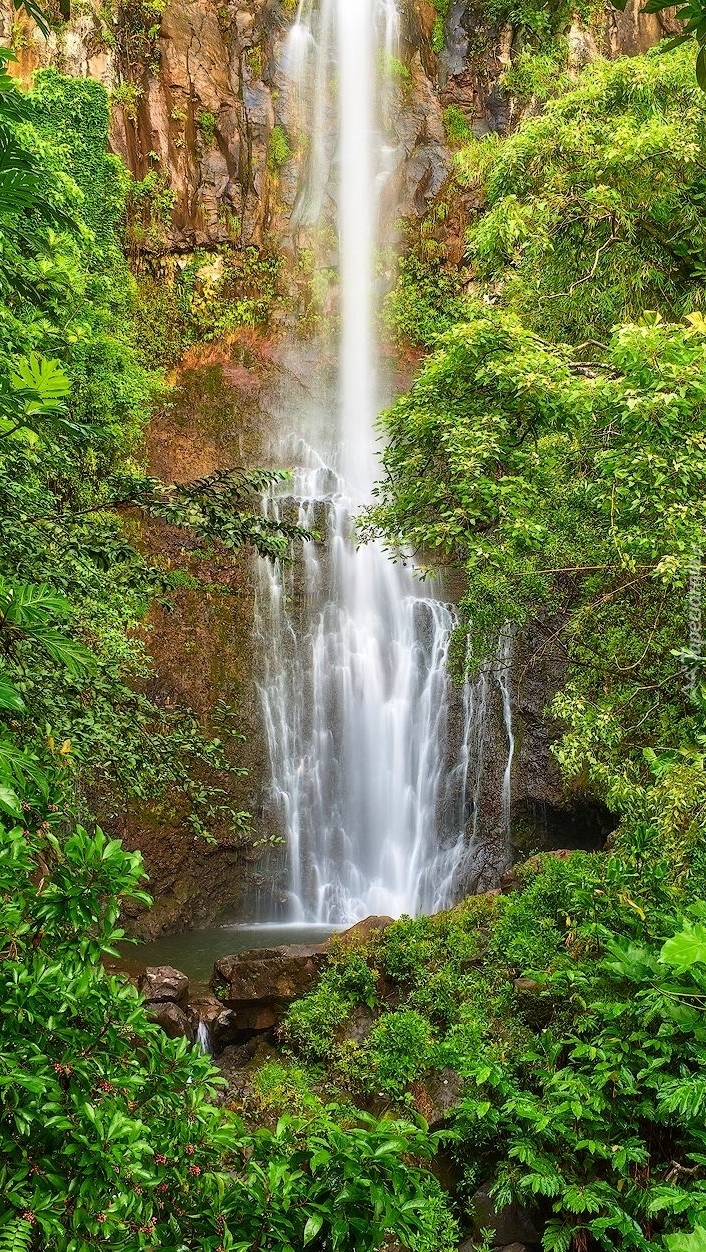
<point x="278" y="149"/>
<point x="207" y="126"/>
<point x="456" y="127"/>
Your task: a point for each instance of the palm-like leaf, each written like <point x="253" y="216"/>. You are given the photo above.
<point x="20" y="182"/>
<point x="36" y="12"/>
<point x="67" y="652"/>
<point x="27" y="613"/>
<point x="30" y="604"/>
<point x="42" y="381"/>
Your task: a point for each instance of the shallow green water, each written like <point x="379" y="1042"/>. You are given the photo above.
<point x="194" y="951"/>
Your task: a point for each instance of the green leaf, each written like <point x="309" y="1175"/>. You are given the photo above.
<point x="312" y="1228"/>
<point x="9" y="801"/>
<point x="701" y="68"/>
<point x="36" y="12"/>
<point x="43" y="376"/>
<point x="10" y="697"/>
<point x="687" y="948"/>
<point x="693" y="1242"/>
<point x="73" y="656"/>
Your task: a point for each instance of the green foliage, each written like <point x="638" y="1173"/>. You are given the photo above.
<point x="278" y="149"/>
<point x="456" y="127"/>
<point x="582" y="1095"/>
<point x="132" y="27"/>
<point x="540" y="20"/>
<point x="149" y="210"/>
<point x="207" y="126"/>
<point x="575" y="486"/>
<point x="73" y="400"/>
<point x="438" y="34"/>
<point x="127" y="96"/>
<point x="538" y="74"/>
<point x="108" y="1129"/>
<point x="393" y="68"/>
<point x="552" y="447"/>
<point x="425" y="301"/>
<point x="594" y="210"/>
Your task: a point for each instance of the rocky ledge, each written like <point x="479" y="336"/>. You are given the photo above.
<point x="250" y="991"/>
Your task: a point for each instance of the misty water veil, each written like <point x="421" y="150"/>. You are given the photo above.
<point x="375" y="757"/>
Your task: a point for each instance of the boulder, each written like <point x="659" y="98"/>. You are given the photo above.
<point x="357" y="1025"/>
<point x="267" y="975"/>
<point x="256" y="987"/>
<point x="511" y="1224"/>
<point x="437" y="1095"/>
<point x="163" y="982"/>
<point x="361" y="932"/>
<point x="174" y="1021"/>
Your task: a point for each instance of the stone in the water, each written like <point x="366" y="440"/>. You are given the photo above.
<point x="257" y="987"/>
<point x="265" y="975"/>
<point x="174" y="1021"/>
<point x="164" y="982"/>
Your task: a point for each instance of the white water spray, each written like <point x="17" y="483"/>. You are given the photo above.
<point x="372" y="751"/>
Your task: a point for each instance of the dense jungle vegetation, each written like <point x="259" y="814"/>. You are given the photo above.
<point x="553" y="447"/>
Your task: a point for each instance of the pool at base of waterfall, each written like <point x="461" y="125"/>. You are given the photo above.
<point x="195" y="951"/>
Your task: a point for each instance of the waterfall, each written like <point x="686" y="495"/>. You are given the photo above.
<point x="504" y="670"/>
<point x="203" y="1038"/>
<point x="372" y="751"/>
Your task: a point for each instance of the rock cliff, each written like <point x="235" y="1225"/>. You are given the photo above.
<point x="205" y="118"/>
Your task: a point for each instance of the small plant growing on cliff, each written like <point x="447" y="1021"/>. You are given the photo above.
<point x="392" y="68"/>
<point x="278" y="149"/>
<point x="456" y="126"/>
<point x="207" y="126"/>
<point x="149" y="207"/>
<point x="254" y="60"/>
<point x="127" y="96"/>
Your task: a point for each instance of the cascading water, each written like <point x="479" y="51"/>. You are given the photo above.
<point x="370" y="768"/>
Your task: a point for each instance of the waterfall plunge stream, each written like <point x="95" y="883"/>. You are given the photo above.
<point x="375" y="758"/>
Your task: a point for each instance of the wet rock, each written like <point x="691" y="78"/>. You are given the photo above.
<point x="265" y="975"/>
<point x="164" y="982"/>
<point x="175" y="1021"/>
<point x="357" y="1027"/>
<point x="511" y="1224"/>
<point x="256" y="987"/>
<point x="437" y="1095"/>
<point x="527" y="984"/>
<point x="361" y="932"/>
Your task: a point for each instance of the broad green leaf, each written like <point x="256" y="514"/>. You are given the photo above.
<point x="693" y="1242"/>
<point x="312" y="1228"/>
<point x="46" y="377"/>
<point x="10" y="697"/>
<point x="687" y="948"/>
